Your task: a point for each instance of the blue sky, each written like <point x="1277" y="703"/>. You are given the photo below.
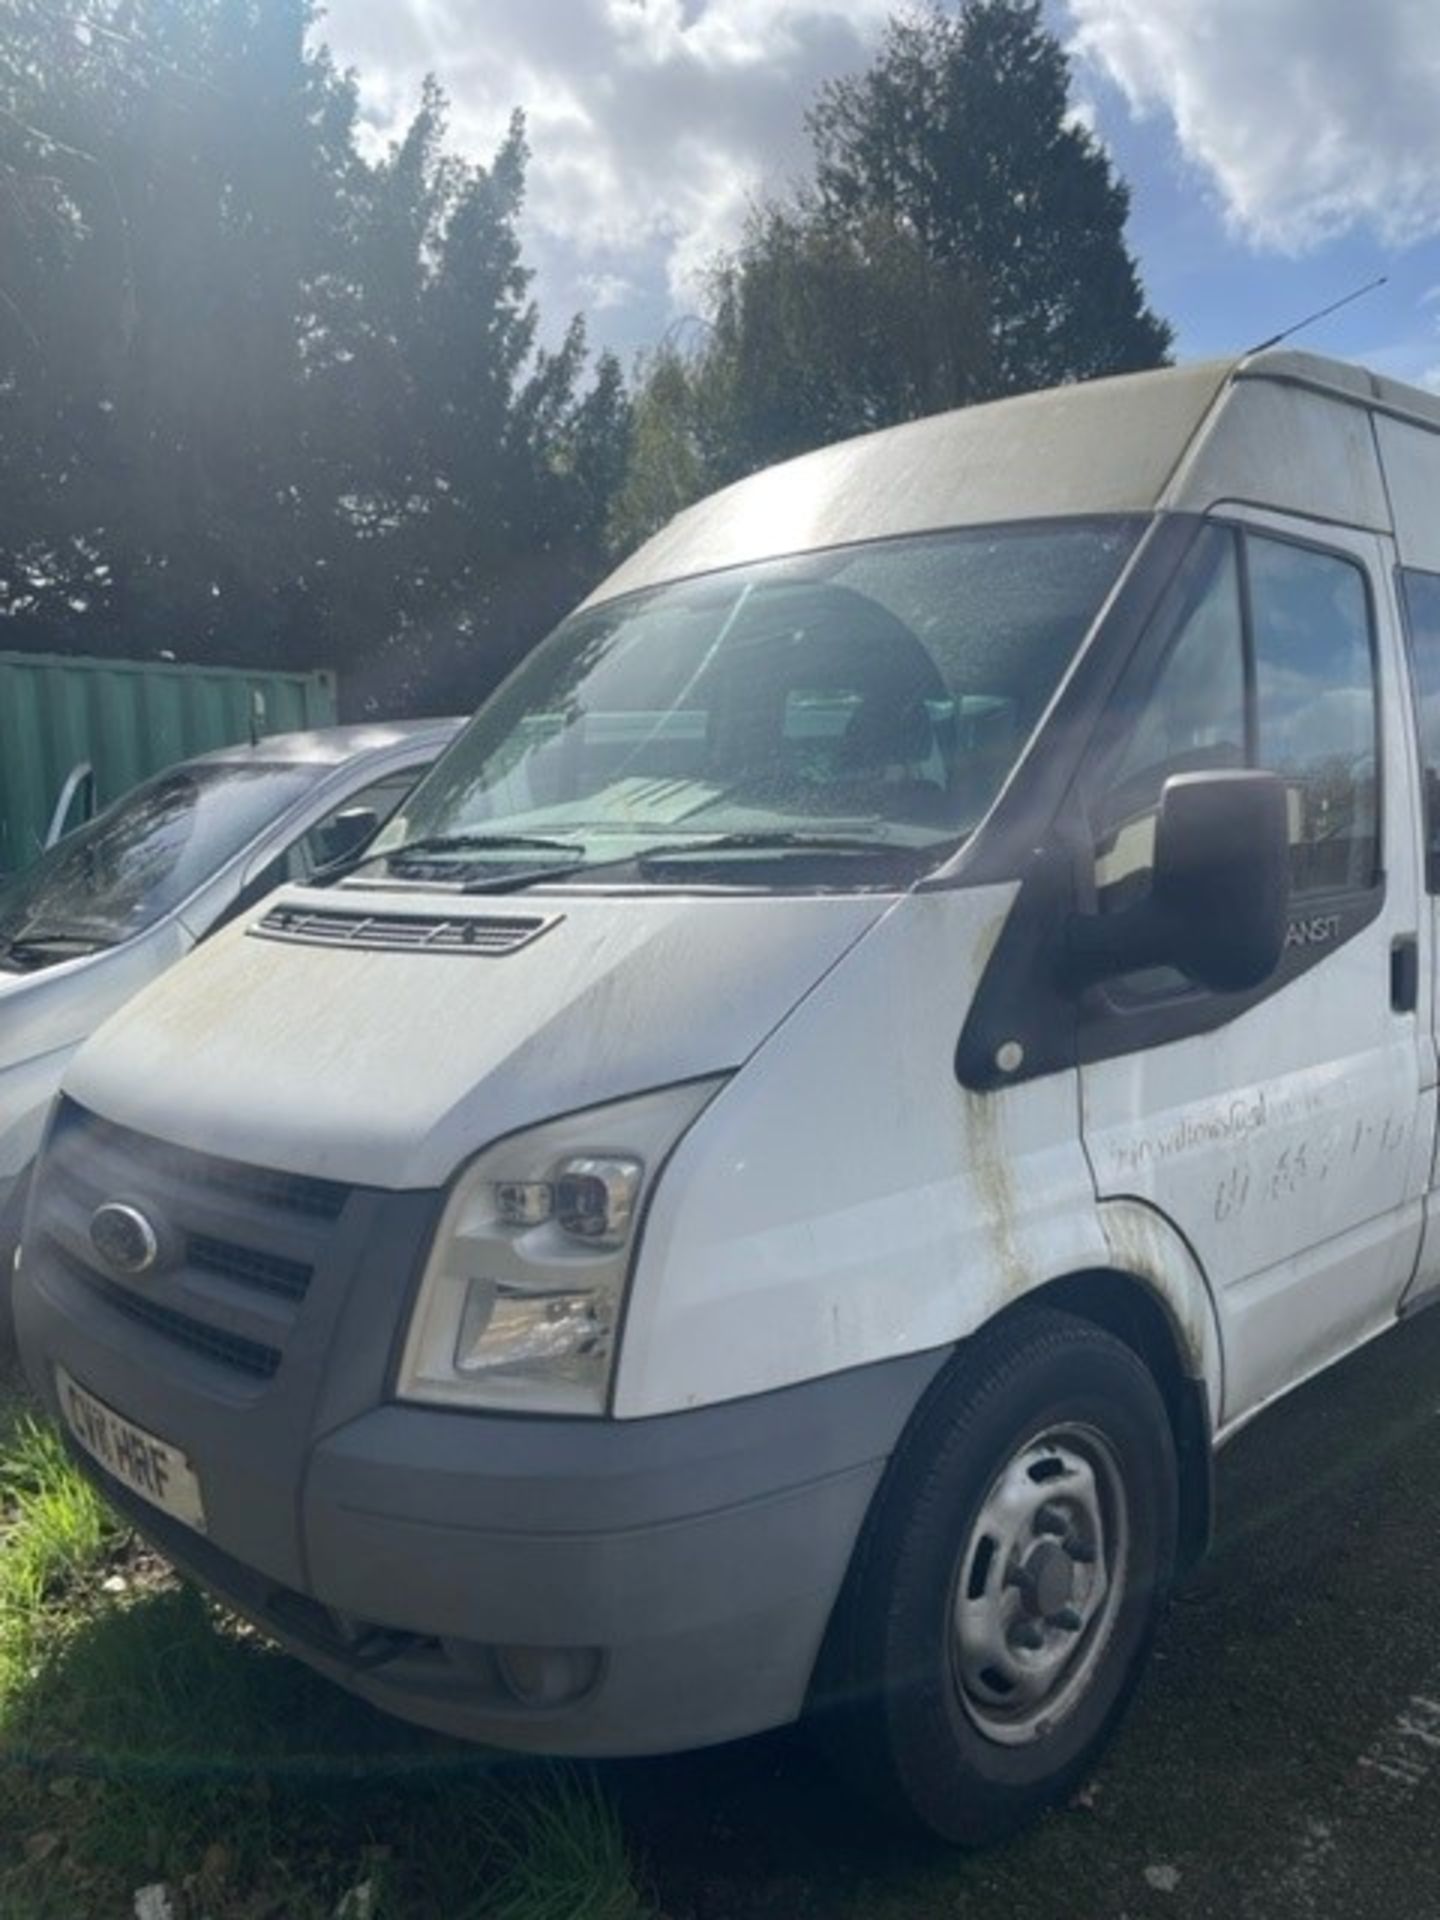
<point x="1268" y="207"/>
<point x="1279" y="152"/>
<point x="1223" y="292"/>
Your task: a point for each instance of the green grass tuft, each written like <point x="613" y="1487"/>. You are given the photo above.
<point x="560" y="1854"/>
<point x="55" y="1536"/>
<point x="147" y="1737"/>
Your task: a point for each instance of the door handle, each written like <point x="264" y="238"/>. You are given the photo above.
<point x="1404" y="973"/>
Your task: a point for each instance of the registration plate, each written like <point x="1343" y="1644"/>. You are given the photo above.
<point x="145" y="1464"/>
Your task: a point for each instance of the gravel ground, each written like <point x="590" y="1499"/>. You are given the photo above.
<point x="1283" y="1758"/>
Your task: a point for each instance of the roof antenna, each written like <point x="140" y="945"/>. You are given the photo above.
<point x="1311" y="318"/>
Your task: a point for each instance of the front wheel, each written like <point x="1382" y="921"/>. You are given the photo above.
<point x="1007" y="1586"/>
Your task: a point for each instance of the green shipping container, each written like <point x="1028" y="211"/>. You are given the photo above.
<point x="128" y="719"/>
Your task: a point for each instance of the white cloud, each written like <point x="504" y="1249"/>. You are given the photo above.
<point x="604" y="291"/>
<point x="1311" y="117"/>
<point x="655" y="124"/>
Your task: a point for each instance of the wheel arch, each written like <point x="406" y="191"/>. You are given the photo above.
<point x="1138" y="1309"/>
<point x="1152" y="1295"/>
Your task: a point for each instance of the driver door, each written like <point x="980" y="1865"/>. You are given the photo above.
<point x="1286" y="1132"/>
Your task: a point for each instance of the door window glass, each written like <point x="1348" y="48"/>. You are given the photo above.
<point x="1307" y="713"/>
<point x="1315" y="709"/>
<point x="1422" y="607"/>
<point x="1192" y="719"/>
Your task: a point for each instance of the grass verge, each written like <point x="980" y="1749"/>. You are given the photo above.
<point x="159" y="1758"/>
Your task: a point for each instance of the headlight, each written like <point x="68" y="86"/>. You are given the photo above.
<point x="520" y="1303"/>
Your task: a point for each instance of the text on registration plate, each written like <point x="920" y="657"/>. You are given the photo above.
<point x="147" y="1465"/>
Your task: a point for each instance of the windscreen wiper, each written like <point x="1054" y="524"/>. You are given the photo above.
<point x="787" y="840"/>
<point x="32" y="941"/>
<point x="476" y="842"/>
<point x="680" y="852"/>
<point x="781" y="840"/>
<point x="480" y="843"/>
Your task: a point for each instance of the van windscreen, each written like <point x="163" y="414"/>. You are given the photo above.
<point x="878" y="694"/>
<point x="121" y="872"/>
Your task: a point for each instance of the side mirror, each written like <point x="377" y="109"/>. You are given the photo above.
<point x="250" y="893"/>
<point x="1220" y="896"/>
<point x="345" y="834"/>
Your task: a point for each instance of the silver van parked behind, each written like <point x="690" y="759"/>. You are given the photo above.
<point x="108" y="908"/>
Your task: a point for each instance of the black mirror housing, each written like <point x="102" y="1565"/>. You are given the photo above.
<point x="346" y="834"/>
<point x="1222" y="875"/>
<point x="1220" y="897"/>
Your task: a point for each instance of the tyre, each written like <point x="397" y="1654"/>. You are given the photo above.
<point x="1008" y="1582"/>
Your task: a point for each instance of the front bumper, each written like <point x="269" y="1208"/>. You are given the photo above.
<point x="559" y="1585"/>
<point x="669" y="1580"/>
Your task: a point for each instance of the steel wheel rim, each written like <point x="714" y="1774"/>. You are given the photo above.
<point x="1038" y="1584"/>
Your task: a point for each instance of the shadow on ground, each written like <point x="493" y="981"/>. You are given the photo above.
<point x="161" y="1739"/>
<point x="1241" y="1783"/>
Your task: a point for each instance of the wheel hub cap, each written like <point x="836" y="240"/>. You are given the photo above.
<point x="1038" y="1583"/>
<point x="1047" y="1580"/>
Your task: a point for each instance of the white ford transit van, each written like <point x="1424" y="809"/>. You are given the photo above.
<point x="902" y="1025"/>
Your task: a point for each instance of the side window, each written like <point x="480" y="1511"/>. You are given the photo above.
<point x="1316" y="710"/>
<point x="346" y="825"/>
<point x="1192" y="718"/>
<point x="1266" y="659"/>
<point x="1422" y="609"/>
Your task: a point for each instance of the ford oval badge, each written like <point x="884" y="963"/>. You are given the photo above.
<point x="124" y="1238"/>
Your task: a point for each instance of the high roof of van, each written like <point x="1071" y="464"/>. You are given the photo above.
<point x="1278" y="428"/>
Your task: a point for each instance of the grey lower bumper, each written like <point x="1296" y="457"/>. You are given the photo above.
<point x="670" y="1579"/>
<point x="673" y="1635"/>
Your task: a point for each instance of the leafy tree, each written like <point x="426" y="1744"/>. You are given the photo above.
<point x="179" y="158"/>
<point x="819" y="329"/>
<point x="262" y="399"/>
<point x="825" y="328"/>
<point x="963" y="239"/>
<point x="962" y="129"/>
<point x="667" y="467"/>
<point x="483" y="468"/>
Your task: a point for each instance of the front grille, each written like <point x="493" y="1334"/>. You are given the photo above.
<point x="269" y="1272"/>
<point x="260" y="1186"/>
<point x="228" y="1349"/>
<point x="239" y="1245"/>
<point x="485" y="935"/>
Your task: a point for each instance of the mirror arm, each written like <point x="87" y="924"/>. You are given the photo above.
<point x="1101" y="946"/>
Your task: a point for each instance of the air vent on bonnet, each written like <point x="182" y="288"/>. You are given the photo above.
<point x="403" y="932"/>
